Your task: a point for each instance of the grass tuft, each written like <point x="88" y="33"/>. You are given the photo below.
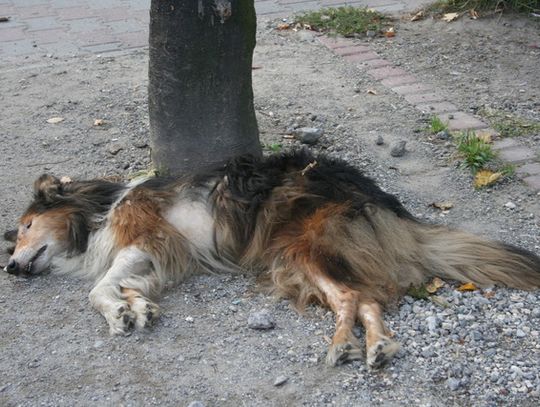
<point x="510" y="125"/>
<point x="436" y="125"/>
<point x="346" y="21"/>
<point x="526" y="6"/>
<point x="476" y="153"/>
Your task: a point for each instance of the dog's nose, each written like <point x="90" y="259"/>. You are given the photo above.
<point x="13" y="267"/>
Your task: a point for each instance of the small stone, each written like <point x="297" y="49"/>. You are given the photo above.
<point x="261" y="320"/>
<point x="196" y="403"/>
<point x="308" y="135"/>
<point x="140" y="144"/>
<point x="443" y="135"/>
<point x="510" y="205"/>
<point x="371" y="33"/>
<point x="189" y="319"/>
<point x="432" y="323"/>
<point x="453" y="383"/>
<point x="280" y="381"/>
<point x="399" y="149"/>
<point x="520" y="333"/>
<point x="451" y="116"/>
<point x="379" y="141"/>
<point x="114" y="149"/>
<point x="98" y="344"/>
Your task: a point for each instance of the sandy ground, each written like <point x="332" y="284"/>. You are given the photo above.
<point x="56" y="350"/>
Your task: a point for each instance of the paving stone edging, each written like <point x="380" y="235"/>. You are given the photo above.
<point x="427" y="99"/>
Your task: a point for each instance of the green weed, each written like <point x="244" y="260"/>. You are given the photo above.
<point x="346" y="21"/>
<point x="273" y="147"/>
<point x="509" y="125"/>
<point x="436" y="125"/>
<point x="476" y="153"/>
<point x="525" y="6"/>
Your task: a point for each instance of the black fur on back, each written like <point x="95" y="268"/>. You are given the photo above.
<point x="251" y="181"/>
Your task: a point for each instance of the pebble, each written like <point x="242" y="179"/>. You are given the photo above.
<point x="510" y="205"/>
<point x="261" y="320"/>
<point x="98" y="344"/>
<point x="196" y="403"/>
<point x="432" y="323"/>
<point x="453" y="383"/>
<point x="280" y="380"/>
<point x="520" y="333"/>
<point x="114" y="149"/>
<point x="308" y="135"/>
<point x="379" y="141"/>
<point x="443" y="135"/>
<point x="399" y="149"/>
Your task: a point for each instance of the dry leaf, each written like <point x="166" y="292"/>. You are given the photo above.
<point x="371" y="92"/>
<point x="484" y="136"/>
<point x="66" y="180"/>
<point x="418" y="16"/>
<point x="485" y="177"/>
<point x="390" y="33"/>
<point x="283" y="26"/>
<point x="473" y="14"/>
<point x="55" y="120"/>
<point x="468" y="287"/>
<point x="443" y="206"/>
<point x="435" y="284"/>
<point x="489" y="294"/>
<point x="450" y="17"/>
<point x="439" y="301"/>
<point x="99" y="122"/>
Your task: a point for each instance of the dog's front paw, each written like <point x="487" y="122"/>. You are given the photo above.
<point x="381" y="352"/>
<point x="146" y="312"/>
<point x="121" y="320"/>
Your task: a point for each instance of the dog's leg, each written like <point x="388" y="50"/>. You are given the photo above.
<point x="344" y="302"/>
<point x="120" y="296"/>
<point x="379" y="347"/>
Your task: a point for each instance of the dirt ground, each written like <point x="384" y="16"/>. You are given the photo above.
<point x="56" y="350"/>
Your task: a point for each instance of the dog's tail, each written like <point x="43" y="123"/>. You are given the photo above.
<point x="468" y="258"/>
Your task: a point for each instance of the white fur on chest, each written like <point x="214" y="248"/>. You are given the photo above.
<point x="194" y="221"/>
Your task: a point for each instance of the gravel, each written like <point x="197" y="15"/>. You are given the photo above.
<point x="477" y="348"/>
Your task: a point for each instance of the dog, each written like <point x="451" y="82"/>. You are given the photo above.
<point x="314" y="229"/>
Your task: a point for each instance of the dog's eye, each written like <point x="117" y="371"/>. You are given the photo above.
<point x="29" y="225"/>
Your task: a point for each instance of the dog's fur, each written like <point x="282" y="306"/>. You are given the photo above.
<point x="315" y="229"/>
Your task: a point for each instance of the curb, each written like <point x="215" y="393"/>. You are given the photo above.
<point x="426" y="99"/>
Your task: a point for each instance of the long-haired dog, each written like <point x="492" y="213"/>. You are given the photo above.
<point x="314" y="228"/>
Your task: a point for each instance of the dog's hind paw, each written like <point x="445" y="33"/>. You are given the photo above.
<point x="380" y="353"/>
<point x="343" y="352"/>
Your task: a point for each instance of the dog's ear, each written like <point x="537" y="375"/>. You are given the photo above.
<point x="11" y="235"/>
<point x="47" y="188"/>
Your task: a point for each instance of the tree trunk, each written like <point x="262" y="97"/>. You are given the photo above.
<point x="200" y="91"/>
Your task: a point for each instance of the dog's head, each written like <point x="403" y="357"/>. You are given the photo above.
<point x="52" y="225"/>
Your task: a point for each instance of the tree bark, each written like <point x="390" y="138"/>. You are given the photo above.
<point x="200" y="90"/>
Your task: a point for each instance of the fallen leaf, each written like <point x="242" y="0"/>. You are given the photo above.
<point x="418" y="16"/>
<point x="65" y="180"/>
<point x="443" y="206"/>
<point x="371" y="92"/>
<point x="448" y="17"/>
<point x="99" y="122"/>
<point x="434" y="285"/>
<point x="485" y="177"/>
<point x="390" y="33"/>
<point x="468" y="287"/>
<point x="439" y="301"/>
<point x="55" y="120"/>
<point x="473" y="14"/>
<point x="484" y="136"/>
<point x="489" y="294"/>
<point x="283" y="26"/>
